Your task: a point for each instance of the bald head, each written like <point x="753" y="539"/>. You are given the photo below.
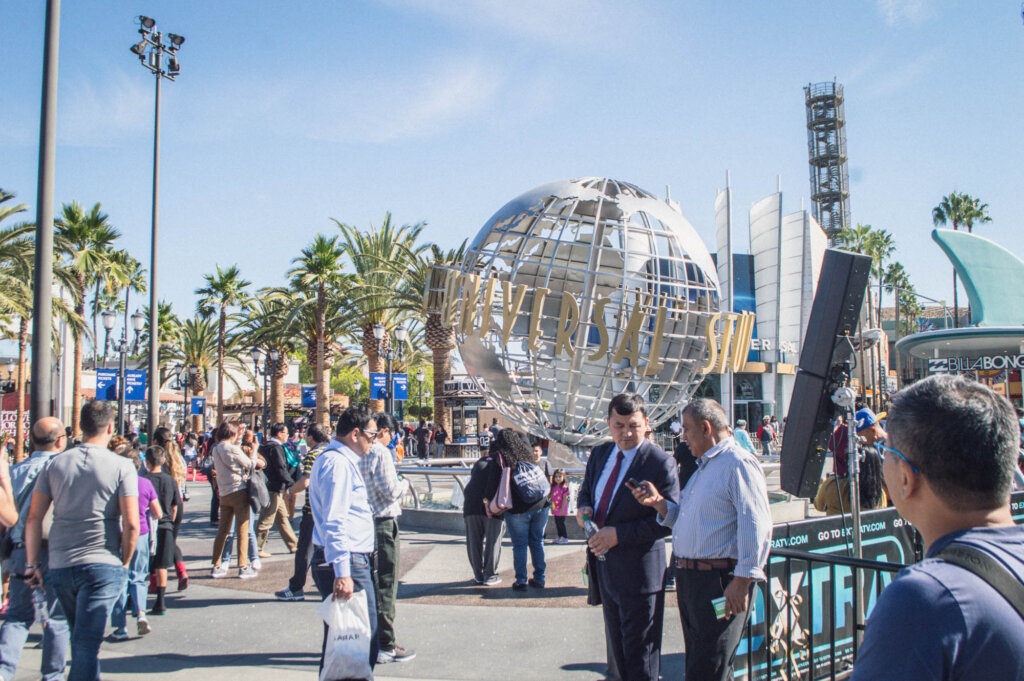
<point x="47" y="433"/>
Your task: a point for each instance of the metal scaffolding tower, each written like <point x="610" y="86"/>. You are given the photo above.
<point x="826" y="150"/>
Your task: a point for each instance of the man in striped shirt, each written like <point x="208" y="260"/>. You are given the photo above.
<point x="722" y="532"/>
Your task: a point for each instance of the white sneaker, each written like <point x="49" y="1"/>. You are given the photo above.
<point x="143" y="626"/>
<point x="247" y="573"/>
<point x="257" y="564"/>
<point x="219" y="571"/>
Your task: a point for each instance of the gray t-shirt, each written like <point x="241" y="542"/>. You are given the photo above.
<point x="85" y="483"/>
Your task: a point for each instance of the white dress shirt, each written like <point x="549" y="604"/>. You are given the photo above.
<point x="723" y="511"/>
<point x="606" y="472"/>
<point x="342" y="520"/>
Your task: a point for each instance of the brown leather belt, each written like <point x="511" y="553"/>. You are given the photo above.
<point x="704" y="565"/>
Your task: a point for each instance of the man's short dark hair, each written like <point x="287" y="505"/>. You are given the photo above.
<point x="318" y="434"/>
<point x="226" y="431"/>
<point x="705" y="409"/>
<point x="961" y="435"/>
<point x="96" y="416"/>
<point x="385" y="420"/>
<point x="625" y="404"/>
<point x="155" y="456"/>
<point x="277" y="428"/>
<point x="356" y="416"/>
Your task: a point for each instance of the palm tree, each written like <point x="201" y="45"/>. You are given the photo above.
<point x="897" y="282"/>
<point x="271" y="326"/>
<point x="223" y="290"/>
<point x="199" y="342"/>
<point x="960" y="210"/>
<point x="318" y="269"/>
<point x="87" y="238"/>
<point x="880" y="247"/>
<point x="169" y="336"/>
<point x="381" y="259"/>
<point x="437" y="336"/>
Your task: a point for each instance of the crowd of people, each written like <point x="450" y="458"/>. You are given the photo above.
<point x="92" y="529"/>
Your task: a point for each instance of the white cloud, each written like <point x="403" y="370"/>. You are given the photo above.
<point x="552" y="21"/>
<point x="99" y="110"/>
<point x="895" y="12"/>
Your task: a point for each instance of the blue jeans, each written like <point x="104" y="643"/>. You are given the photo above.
<point x="323" y="577"/>
<point x="229" y="543"/>
<point x="138" y="585"/>
<point x="87" y="593"/>
<point x="526" y="530"/>
<point x="20" y="616"/>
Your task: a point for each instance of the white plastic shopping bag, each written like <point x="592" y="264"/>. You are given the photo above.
<point x="347" y="655"/>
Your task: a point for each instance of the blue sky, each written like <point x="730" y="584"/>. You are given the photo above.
<point x="289" y="114"/>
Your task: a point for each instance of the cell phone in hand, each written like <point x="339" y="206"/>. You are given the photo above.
<point x="632" y="483"/>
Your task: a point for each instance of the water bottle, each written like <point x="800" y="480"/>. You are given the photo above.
<point x="39" y="604"/>
<point x="590" y="529"/>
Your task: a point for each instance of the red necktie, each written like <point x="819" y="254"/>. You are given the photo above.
<point x="609" y="491"/>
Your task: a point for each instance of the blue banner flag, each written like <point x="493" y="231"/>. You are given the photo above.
<point x="198" y="406"/>
<point x="401" y="386"/>
<point x="378" y="386"/>
<point x="308" y="396"/>
<point x="135" y="385"/>
<point x="106" y="384"/>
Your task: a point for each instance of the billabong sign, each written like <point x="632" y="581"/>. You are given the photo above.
<point x="963" y="364"/>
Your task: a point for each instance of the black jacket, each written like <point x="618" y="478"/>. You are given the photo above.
<point x="278" y="478"/>
<point x="479" y="478"/>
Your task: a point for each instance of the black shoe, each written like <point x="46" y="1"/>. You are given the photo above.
<point x="535" y="584"/>
<point x="158" y="611"/>
<point x="519" y="586"/>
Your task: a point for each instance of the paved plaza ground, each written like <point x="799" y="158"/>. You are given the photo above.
<point x="235" y="629"/>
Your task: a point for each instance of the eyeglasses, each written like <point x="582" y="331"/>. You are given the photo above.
<point x="882" y="449"/>
<point x="369" y="433"/>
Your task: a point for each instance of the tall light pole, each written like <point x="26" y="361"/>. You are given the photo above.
<point x="151" y="50"/>
<point x="256" y="353"/>
<point x="193" y="369"/>
<point x="389" y="355"/>
<point x="358" y="386"/>
<point x="42" y="296"/>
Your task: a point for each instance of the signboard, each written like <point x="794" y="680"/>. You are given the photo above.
<point x="9" y="422"/>
<point x="198" y="406"/>
<point x="135" y="385"/>
<point x="400" y="386"/>
<point x="988" y="363"/>
<point x="378" y="386"/>
<point x="106" y="384"/>
<point x="308" y="396"/>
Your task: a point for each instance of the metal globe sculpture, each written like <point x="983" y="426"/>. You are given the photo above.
<point x="574" y="292"/>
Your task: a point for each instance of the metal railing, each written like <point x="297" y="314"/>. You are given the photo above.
<point x="805" y="623"/>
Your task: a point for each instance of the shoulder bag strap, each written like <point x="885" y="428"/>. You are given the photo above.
<point x="988" y="569"/>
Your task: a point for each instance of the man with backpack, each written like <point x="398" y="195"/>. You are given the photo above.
<point x="948" y="465"/>
<point x="278" y="481"/>
<point x="765" y="435"/>
<point x="48" y="437"/>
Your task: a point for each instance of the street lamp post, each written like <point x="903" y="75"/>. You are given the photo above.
<point x="151" y="50"/>
<point x="389" y="355"/>
<point x="269" y="367"/>
<point x="192" y="371"/>
<point x="358" y="386"/>
<point x="419" y="379"/>
<point x="122" y="348"/>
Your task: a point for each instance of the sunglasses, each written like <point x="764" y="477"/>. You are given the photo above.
<point x="882" y="449"/>
<point x="370" y="433"/>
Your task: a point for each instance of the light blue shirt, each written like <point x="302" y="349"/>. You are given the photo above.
<point x="606" y="473"/>
<point x="743" y="440"/>
<point x="23" y="474"/>
<point x="724" y="508"/>
<point x="342" y="519"/>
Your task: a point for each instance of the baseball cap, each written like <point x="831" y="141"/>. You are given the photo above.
<point x="865" y="419"/>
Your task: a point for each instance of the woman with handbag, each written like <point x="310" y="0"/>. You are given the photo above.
<point x="484" y="530"/>
<point x="527" y="514"/>
<point x="234" y="468"/>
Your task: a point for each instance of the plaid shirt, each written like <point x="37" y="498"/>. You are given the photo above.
<point x="382" y="484"/>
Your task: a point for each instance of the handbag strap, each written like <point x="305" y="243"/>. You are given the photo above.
<point x="988" y="569"/>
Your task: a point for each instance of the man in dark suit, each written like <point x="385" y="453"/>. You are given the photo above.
<point x="631" y="542"/>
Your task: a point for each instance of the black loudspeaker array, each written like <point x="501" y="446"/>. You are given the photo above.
<point x="826" y="346"/>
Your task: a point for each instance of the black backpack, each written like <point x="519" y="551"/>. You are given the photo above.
<point x="530" y="482"/>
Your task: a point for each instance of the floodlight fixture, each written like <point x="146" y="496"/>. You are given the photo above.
<point x="176" y="40"/>
<point x="147" y="23"/>
<point x="139" y="49"/>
